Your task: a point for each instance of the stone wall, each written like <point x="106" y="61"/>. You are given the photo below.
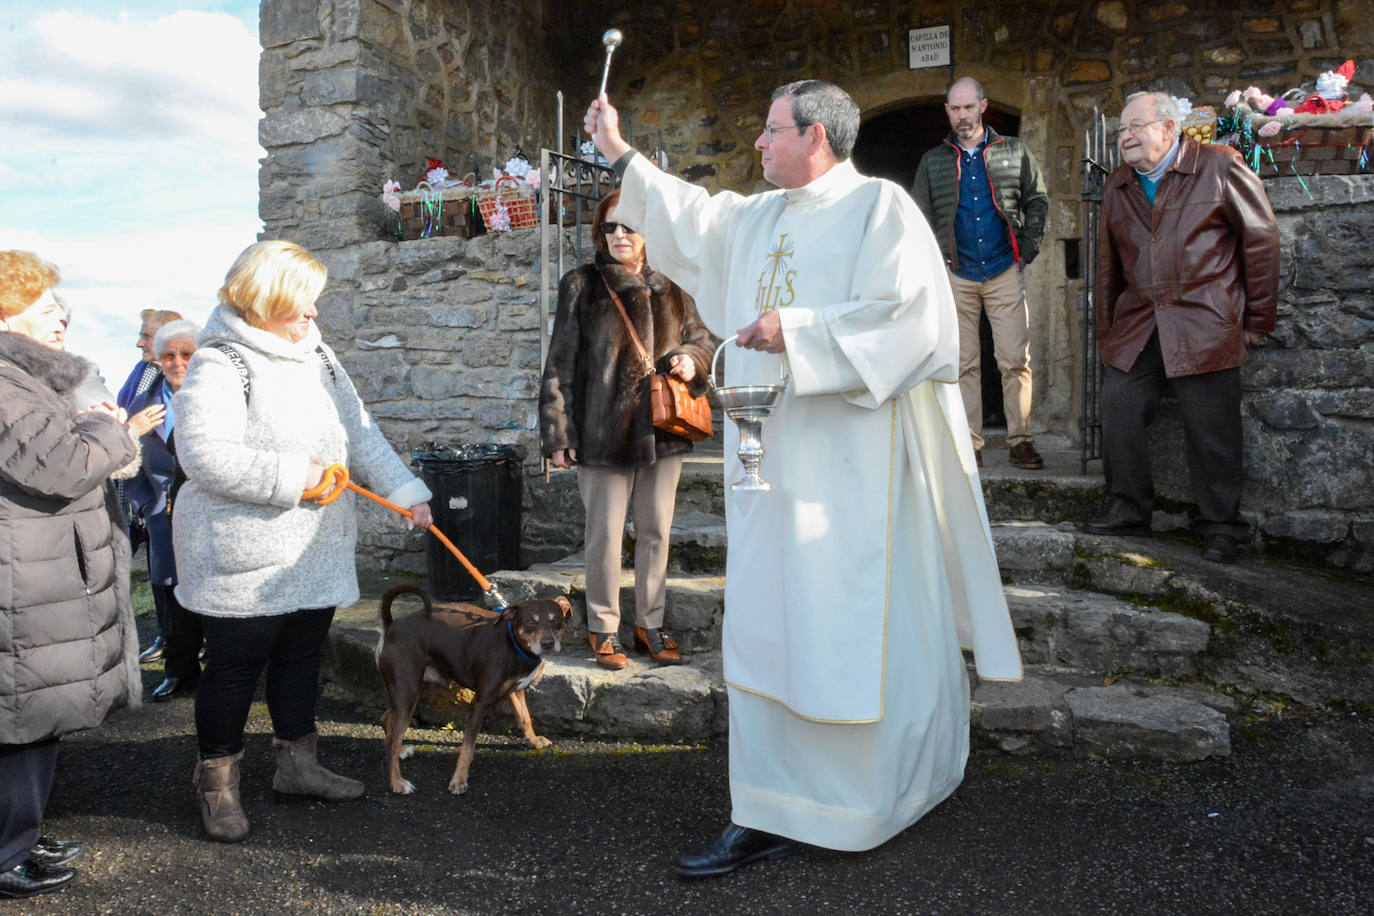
<point x="1309" y="394"/>
<point x="356" y="92"/>
<point x="441" y="338"/>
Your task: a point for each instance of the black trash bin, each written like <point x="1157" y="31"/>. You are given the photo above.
<point x="477" y="495"/>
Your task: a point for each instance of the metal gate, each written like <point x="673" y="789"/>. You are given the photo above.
<point x="1100" y="157"/>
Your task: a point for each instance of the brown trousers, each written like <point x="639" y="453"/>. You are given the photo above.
<point x="650" y="494"/>
<point x="1004" y="298"/>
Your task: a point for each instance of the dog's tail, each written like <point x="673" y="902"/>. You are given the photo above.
<point x="390" y="596"/>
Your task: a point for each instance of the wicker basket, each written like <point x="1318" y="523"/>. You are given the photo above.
<point x="1309" y="150"/>
<point x="426" y="212"/>
<point x="507" y="205"/>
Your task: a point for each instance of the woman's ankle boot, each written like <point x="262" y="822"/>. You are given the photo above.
<point x="217" y="789"/>
<point x="299" y="773"/>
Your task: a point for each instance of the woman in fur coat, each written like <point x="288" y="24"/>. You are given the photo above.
<point x="67" y="653"/>
<point x="594" y="411"/>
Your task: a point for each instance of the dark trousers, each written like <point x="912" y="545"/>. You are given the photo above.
<point x="237" y="649"/>
<point x="182" y="634"/>
<point x="1210" y="405"/>
<point x="26" y="772"/>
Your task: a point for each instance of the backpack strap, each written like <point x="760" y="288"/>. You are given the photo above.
<point x="236" y="360"/>
<point x="245" y="377"/>
<point x="324" y="357"/>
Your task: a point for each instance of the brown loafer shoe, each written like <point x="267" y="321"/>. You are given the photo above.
<point x="1024" y="455"/>
<point x="661" y="647"/>
<point x="609" y="652"/>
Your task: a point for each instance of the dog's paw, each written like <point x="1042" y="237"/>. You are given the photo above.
<point x="406" y="752"/>
<point x="458" y="787"/>
<point x="540" y="742"/>
<point x="406" y="787"/>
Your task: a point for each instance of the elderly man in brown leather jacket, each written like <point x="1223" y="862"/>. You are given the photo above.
<point x="1188" y="274"/>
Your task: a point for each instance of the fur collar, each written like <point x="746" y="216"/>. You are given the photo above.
<point x="627" y="284"/>
<point x="59" y="370"/>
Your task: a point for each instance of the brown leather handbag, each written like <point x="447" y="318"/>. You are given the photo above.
<point x="675" y="409"/>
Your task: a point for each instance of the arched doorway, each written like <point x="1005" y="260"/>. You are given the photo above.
<point x="891" y="142"/>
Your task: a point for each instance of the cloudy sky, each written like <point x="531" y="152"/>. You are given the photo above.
<point x="129" y="155"/>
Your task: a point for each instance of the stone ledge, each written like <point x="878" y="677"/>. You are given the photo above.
<point x="687" y="703"/>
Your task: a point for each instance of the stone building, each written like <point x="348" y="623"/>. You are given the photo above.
<point x="442" y="334"/>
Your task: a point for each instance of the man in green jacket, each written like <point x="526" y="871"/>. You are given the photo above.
<point x="985" y="199"/>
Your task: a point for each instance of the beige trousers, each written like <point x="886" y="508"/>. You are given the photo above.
<point x="650" y="493"/>
<point x="1004" y="298"/>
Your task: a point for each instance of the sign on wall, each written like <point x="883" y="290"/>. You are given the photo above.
<point x="927" y="47"/>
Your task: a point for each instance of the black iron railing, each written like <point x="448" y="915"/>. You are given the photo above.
<point x="1099" y="159"/>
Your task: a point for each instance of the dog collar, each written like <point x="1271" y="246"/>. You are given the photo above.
<point x="514" y="642"/>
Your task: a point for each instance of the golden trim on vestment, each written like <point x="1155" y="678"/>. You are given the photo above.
<point x="769" y="696"/>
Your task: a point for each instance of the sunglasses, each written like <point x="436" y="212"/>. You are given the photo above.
<point x="172" y="354"/>
<point x="610" y="228"/>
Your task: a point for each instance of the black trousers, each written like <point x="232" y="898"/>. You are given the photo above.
<point x="182" y="634"/>
<point x="1210" y="405"/>
<point x="237" y="649"/>
<point x="26" y="773"/>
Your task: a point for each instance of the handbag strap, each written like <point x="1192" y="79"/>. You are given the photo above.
<point x="634" y="335"/>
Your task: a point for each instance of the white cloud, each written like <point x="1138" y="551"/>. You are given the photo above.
<point x="129" y="159"/>
<point x="75" y="80"/>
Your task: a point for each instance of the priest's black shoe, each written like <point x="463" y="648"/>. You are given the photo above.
<point x="30" y="878"/>
<point x="51" y="851"/>
<point x="1116" y="527"/>
<point x="173" y="686"/>
<point x="737" y="846"/>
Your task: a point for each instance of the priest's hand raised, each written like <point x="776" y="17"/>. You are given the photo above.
<point x="764" y="334"/>
<point x="603" y="123"/>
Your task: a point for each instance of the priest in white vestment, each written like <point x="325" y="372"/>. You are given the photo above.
<point x="852" y="585"/>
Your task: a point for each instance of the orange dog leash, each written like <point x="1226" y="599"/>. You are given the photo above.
<point x="336" y="477"/>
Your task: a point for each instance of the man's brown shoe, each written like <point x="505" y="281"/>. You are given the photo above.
<point x="1024" y="455"/>
<point x="661" y="647"/>
<point x="609" y="652"/>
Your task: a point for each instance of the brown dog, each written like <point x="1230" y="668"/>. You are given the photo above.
<point x="493" y="655"/>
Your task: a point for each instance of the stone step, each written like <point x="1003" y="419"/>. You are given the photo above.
<point x="1057" y="711"/>
<point x="1275" y="627"/>
<point x="1062" y="629"/>
<point x="552" y="527"/>
<point x="1051" y="711"/>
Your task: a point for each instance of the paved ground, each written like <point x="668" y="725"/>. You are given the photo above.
<point x="1286" y="825"/>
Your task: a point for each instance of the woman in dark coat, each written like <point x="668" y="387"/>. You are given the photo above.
<point x="62" y="638"/>
<point x="148" y="493"/>
<point x="594" y="411"/>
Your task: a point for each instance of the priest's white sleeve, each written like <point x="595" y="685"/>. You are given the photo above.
<point x="686" y="233"/>
<point x="898" y="328"/>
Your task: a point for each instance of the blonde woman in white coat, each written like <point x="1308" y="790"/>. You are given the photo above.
<point x="264" y="409"/>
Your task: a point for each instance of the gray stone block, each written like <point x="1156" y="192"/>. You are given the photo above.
<point x="1118" y="722"/>
<point x="672" y="703"/>
<point x="1033" y="550"/>
<point x="1018" y="717"/>
<point x="1102" y="634"/>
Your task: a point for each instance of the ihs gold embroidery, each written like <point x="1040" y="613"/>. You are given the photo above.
<point x="775" y="281"/>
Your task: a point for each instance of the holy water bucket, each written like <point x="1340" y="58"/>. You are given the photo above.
<point x="748" y="406"/>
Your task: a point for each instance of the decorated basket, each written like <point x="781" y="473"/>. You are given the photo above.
<point x="506" y="205"/>
<point x="427" y="212"/>
<point x="1303" y="145"/>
